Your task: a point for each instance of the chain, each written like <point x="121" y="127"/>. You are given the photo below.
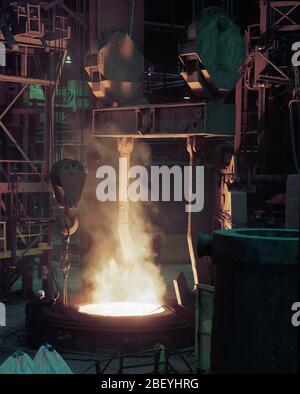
<point x="65" y="266"/>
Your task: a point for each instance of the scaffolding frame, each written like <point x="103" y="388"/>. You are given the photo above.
<point x="21" y="175"/>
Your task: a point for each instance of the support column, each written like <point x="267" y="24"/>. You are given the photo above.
<point x="27" y="277"/>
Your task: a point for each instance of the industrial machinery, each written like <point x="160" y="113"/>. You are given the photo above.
<point x="212" y="55"/>
<point x="257" y="270"/>
<point x="120" y="67"/>
<point x="114" y="68"/>
<point x="197" y="123"/>
<point x="257" y="281"/>
<point x="68" y="178"/>
<point x="40" y="123"/>
<point x="267" y="97"/>
<point x="78" y="91"/>
<point x="29" y="34"/>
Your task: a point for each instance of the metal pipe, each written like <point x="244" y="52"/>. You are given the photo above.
<point x="93" y="17"/>
<point x="165" y="26"/>
<point x="292" y="131"/>
<point x="264" y="178"/>
<point x="18" y="79"/>
<point x="190" y="149"/>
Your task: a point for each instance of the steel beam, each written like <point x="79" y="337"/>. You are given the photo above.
<point x="285" y="3"/>
<point x="150" y="121"/>
<point x="191" y="148"/>
<point x="31" y="252"/>
<point x="28" y="187"/>
<point x="34" y="42"/>
<point x="25" y="80"/>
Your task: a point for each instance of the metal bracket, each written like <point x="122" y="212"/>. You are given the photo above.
<point x="150" y="121"/>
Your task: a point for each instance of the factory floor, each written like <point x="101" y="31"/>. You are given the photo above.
<point x="11" y="335"/>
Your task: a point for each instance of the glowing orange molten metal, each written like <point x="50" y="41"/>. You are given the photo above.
<point x="121" y="309"/>
<point x="127" y="289"/>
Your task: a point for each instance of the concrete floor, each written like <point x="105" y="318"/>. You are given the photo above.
<point x="84" y="362"/>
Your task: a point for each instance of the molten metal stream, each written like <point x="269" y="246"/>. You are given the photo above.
<point x="133" y="285"/>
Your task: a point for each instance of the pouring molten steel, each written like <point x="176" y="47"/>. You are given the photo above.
<point x="131" y="285"/>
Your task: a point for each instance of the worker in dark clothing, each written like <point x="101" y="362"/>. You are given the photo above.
<point x="34" y="321"/>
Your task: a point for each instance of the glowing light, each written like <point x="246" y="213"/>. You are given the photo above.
<point x="129" y="284"/>
<point x="122" y="309"/>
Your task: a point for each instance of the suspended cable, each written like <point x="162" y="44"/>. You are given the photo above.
<point x="132" y="17"/>
<point x="194" y="9"/>
<point x="82" y="142"/>
<point x="76" y="83"/>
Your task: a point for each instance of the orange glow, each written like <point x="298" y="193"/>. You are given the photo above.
<point x="121" y="309"/>
<point x="130" y="285"/>
<point x="125" y="279"/>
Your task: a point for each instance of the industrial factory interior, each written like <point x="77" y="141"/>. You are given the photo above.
<point x="149" y="189"/>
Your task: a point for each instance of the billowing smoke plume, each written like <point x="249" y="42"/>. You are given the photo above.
<point x="120" y="263"/>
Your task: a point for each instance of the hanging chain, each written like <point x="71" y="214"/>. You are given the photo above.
<point x="65" y="266"/>
<point x="66" y="250"/>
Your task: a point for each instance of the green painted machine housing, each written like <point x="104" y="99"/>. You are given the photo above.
<point x="220" y="117"/>
<point x="220" y="47"/>
<point x="217" y="42"/>
<point x="256" y="284"/>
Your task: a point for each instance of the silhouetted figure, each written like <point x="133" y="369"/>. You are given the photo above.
<point x="34" y="321"/>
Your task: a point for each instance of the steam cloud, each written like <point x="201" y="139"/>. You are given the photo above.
<point x="111" y="277"/>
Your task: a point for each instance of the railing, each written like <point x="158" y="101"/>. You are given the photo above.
<point x="30" y="17"/>
<point x="252" y="37"/>
<point x="25" y="232"/>
<point x="17" y="171"/>
<point x="60" y="26"/>
<point x="158" y="359"/>
<point x="28" y="230"/>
